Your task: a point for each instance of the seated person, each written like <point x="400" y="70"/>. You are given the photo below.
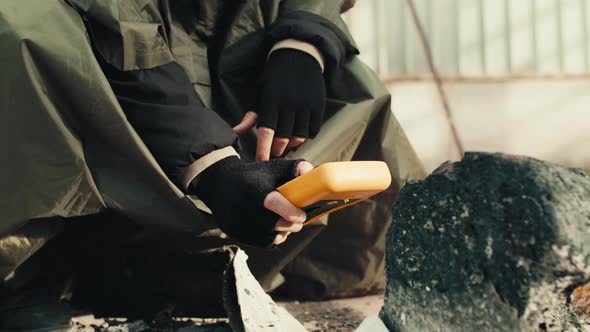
<point x="290" y="61"/>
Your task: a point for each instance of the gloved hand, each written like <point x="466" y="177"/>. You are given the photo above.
<point x="244" y="202"/>
<point x="292" y="102"/>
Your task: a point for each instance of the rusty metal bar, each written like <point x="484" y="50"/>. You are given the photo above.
<point x="482" y="37"/>
<point x="377" y="34"/>
<point x="507" y="36"/>
<point x="488" y="78"/>
<point x="534" y="42"/>
<point x="436" y="77"/>
<point x="584" y="34"/>
<point x="403" y="37"/>
<point x="559" y="33"/>
<point x="456" y="36"/>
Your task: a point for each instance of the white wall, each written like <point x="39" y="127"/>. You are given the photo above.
<point x="475" y="37"/>
<point x="549" y="120"/>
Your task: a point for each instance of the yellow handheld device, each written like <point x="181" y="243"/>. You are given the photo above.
<point x="333" y="186"/>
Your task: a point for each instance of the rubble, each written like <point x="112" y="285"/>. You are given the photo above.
<point x="581" y="302"/>
<point x="492" y="243"/>
<point x="341" y="314"/>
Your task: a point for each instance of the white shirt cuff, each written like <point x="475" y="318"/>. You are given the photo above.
<point x="197" y="167"/>
<point x="300" y="46"/>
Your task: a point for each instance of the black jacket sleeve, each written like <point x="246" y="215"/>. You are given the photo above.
<point x="165" y="111"/>
<point x="316" y="30"/>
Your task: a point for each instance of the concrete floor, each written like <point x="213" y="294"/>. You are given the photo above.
<point x="342" y="315"/>
<point x="334" y="315"/>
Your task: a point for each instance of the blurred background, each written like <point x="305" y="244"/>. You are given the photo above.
<point x="513" y="74"/>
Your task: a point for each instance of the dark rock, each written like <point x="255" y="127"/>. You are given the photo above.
<point x="491" y="243"/>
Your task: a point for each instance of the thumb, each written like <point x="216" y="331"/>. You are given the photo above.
<point x="248" y="121"/>
<point x="303" y="167"/>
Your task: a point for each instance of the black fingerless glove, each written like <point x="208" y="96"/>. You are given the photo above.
<point x="235" y="190"/>
<point x="293" y="95"/>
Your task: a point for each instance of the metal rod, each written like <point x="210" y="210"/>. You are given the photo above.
<point x="559" y="30"/>
<point x="377" y="34"/>
<point x="403" y="39"/>
<point x="488" y="78"/>
<point x="392" y="37"/>
<point x="383" y="29"/>
<point x="534" y="44"/>
<point x="428" y="19"/>
<point x="508" y="35"/>
<point x="436" y="77"/>
<point x="584" y="18"/>
<point x="456" y="36"/>
<point x="427" y="26"/>
<point x="482" y="37"/>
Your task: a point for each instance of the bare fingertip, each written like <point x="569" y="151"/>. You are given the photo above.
<point x="279" y="239"/>
<point x="298" y="219"/>
<point x="269" y="200"/>
<point x="303" y="167"/>
<point x="302" y="218"/>
<point x="252" y="114"/>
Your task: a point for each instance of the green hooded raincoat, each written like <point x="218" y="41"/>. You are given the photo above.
<point x="69" y="151"/>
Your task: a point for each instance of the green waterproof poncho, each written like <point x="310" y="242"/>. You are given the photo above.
<point x="68" y="150"/>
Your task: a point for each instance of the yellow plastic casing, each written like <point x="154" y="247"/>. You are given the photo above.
<point x="347" y="181"/>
